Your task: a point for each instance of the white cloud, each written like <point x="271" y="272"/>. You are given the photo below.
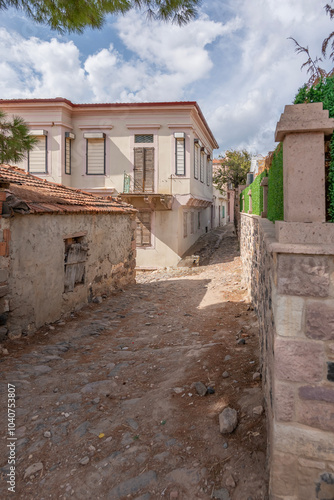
<point x="265" y="73"/>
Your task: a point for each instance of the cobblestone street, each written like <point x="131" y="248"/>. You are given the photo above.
<point x="106" y="406"/>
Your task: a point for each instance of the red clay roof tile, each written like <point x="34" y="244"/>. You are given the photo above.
<point x="42" y="196"/>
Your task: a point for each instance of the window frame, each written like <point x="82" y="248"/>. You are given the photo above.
<point x="180" y="136"/>
<point x="38" y="134"/>
<point x="202" y="166"/>
<point x="141" y="212"/>
<point x="68" y="140"/>
<point x="143" y="142"/>
<point x="92" y="136"/>
<point x="197" y="158"/>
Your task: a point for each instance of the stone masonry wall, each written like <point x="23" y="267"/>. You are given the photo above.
<point x="293" y="295"/>
<point x="36" y="292"/>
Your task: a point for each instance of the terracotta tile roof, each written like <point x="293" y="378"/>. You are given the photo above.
<point x="28" y="194"/>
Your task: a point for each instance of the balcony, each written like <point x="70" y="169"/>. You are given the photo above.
<point x="136" y="193"/>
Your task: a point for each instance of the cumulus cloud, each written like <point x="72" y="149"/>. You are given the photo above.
<point x="265" y="73"/>
<point x="161" y="61"/>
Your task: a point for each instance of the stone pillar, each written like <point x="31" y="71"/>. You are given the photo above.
<point x="302" y="128"/>
<point x="264" y="184"/>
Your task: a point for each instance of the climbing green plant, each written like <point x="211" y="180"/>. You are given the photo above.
<point x="257" y="195"/>
<point x="275" y="209"/>
<point x="323" y="91"/>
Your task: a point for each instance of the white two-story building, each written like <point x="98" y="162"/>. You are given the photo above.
<point x="156" y="156"/>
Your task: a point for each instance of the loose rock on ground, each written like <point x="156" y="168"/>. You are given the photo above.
<point x="106" y="406"/>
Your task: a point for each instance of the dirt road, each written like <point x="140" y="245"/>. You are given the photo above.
<point x="106" y="406"/>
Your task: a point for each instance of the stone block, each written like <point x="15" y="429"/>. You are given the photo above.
<point x="288" y="313"/>
<point x="316" y="414"/>
<point x="311" y="464"/>
<point x="3" y="275"/>
<point x="284" y="406"/>
<point x="283" y="475"/>
<point x="15" y="333"/>
<point x="330" y="350"/>
<point x="316" y="393"/>
<point x="320" y="321"/>
<point x="4" y="289"/>
<point x="298" y="361"/>
<point x="303" y="441"/>
<point x="3" y="333"/>
<point x="313" y="482"/>
<point x="303" y="275"/>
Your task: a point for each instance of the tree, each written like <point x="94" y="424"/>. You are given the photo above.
<point x="234" y="168"/>
<point x="15" y="140"/>
<point x="75" y="15"/>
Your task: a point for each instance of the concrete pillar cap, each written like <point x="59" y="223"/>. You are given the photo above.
<point x="302" y="118"/>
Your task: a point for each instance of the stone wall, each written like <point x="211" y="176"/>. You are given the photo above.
<point x="35" y="265"/>
<point x="292" y="289"/>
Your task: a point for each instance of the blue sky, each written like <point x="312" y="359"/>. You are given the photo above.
<point x="235" y="60"/>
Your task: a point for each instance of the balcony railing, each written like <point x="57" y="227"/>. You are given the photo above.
<point x="131" y="186"/>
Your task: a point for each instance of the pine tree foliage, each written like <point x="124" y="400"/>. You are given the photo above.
<point x="76" y="15"/>
<point x="234" y="169"/>
<point x="15" y="140"/>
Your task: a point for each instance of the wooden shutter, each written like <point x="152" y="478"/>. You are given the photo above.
<point x="180" y="156"/>
<point x="207" y="171"/>
<point x="96" y="156"/>
<point x="196" y="161"/>
<point x="202" y="168"/>
<point x="67" y="155"/>
<point x="37" y="157"/>
<point x="149" y="170"/>
<point x="75" y="265"/>
<point x="143" y="236"/>
<point x="143" y="170"/>
<point x="138" y="170"/>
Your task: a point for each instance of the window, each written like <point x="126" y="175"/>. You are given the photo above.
<point x="74" y="262"/>
<point x="223" y="212"/>
<point x="198" y="220"/>
<point x="202" y="166"/>
<point x="140" y="138"/>
<point x="197" y="153"/>
<point x="68" y="149"/>
<point x="143" y="235"/>
<point x="180" y="153"/>
<point x="95" y="153"/>
<point x="185" y="224"/>
<point x="37" y="158"/>
<point x="192" y="222"/>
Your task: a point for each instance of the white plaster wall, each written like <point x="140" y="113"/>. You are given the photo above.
<point x="37" y="247"/>
<point x="119" y="125"/>
<point x="164" y="249"/>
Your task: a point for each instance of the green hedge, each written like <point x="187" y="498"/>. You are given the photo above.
<point x="323" y="92"/>
<point x="257" y="195"/>
<point x="275" y="186"/>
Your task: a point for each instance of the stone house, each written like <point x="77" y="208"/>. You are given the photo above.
<point x="156" y="156"/>
<point x="60" y="248"/>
